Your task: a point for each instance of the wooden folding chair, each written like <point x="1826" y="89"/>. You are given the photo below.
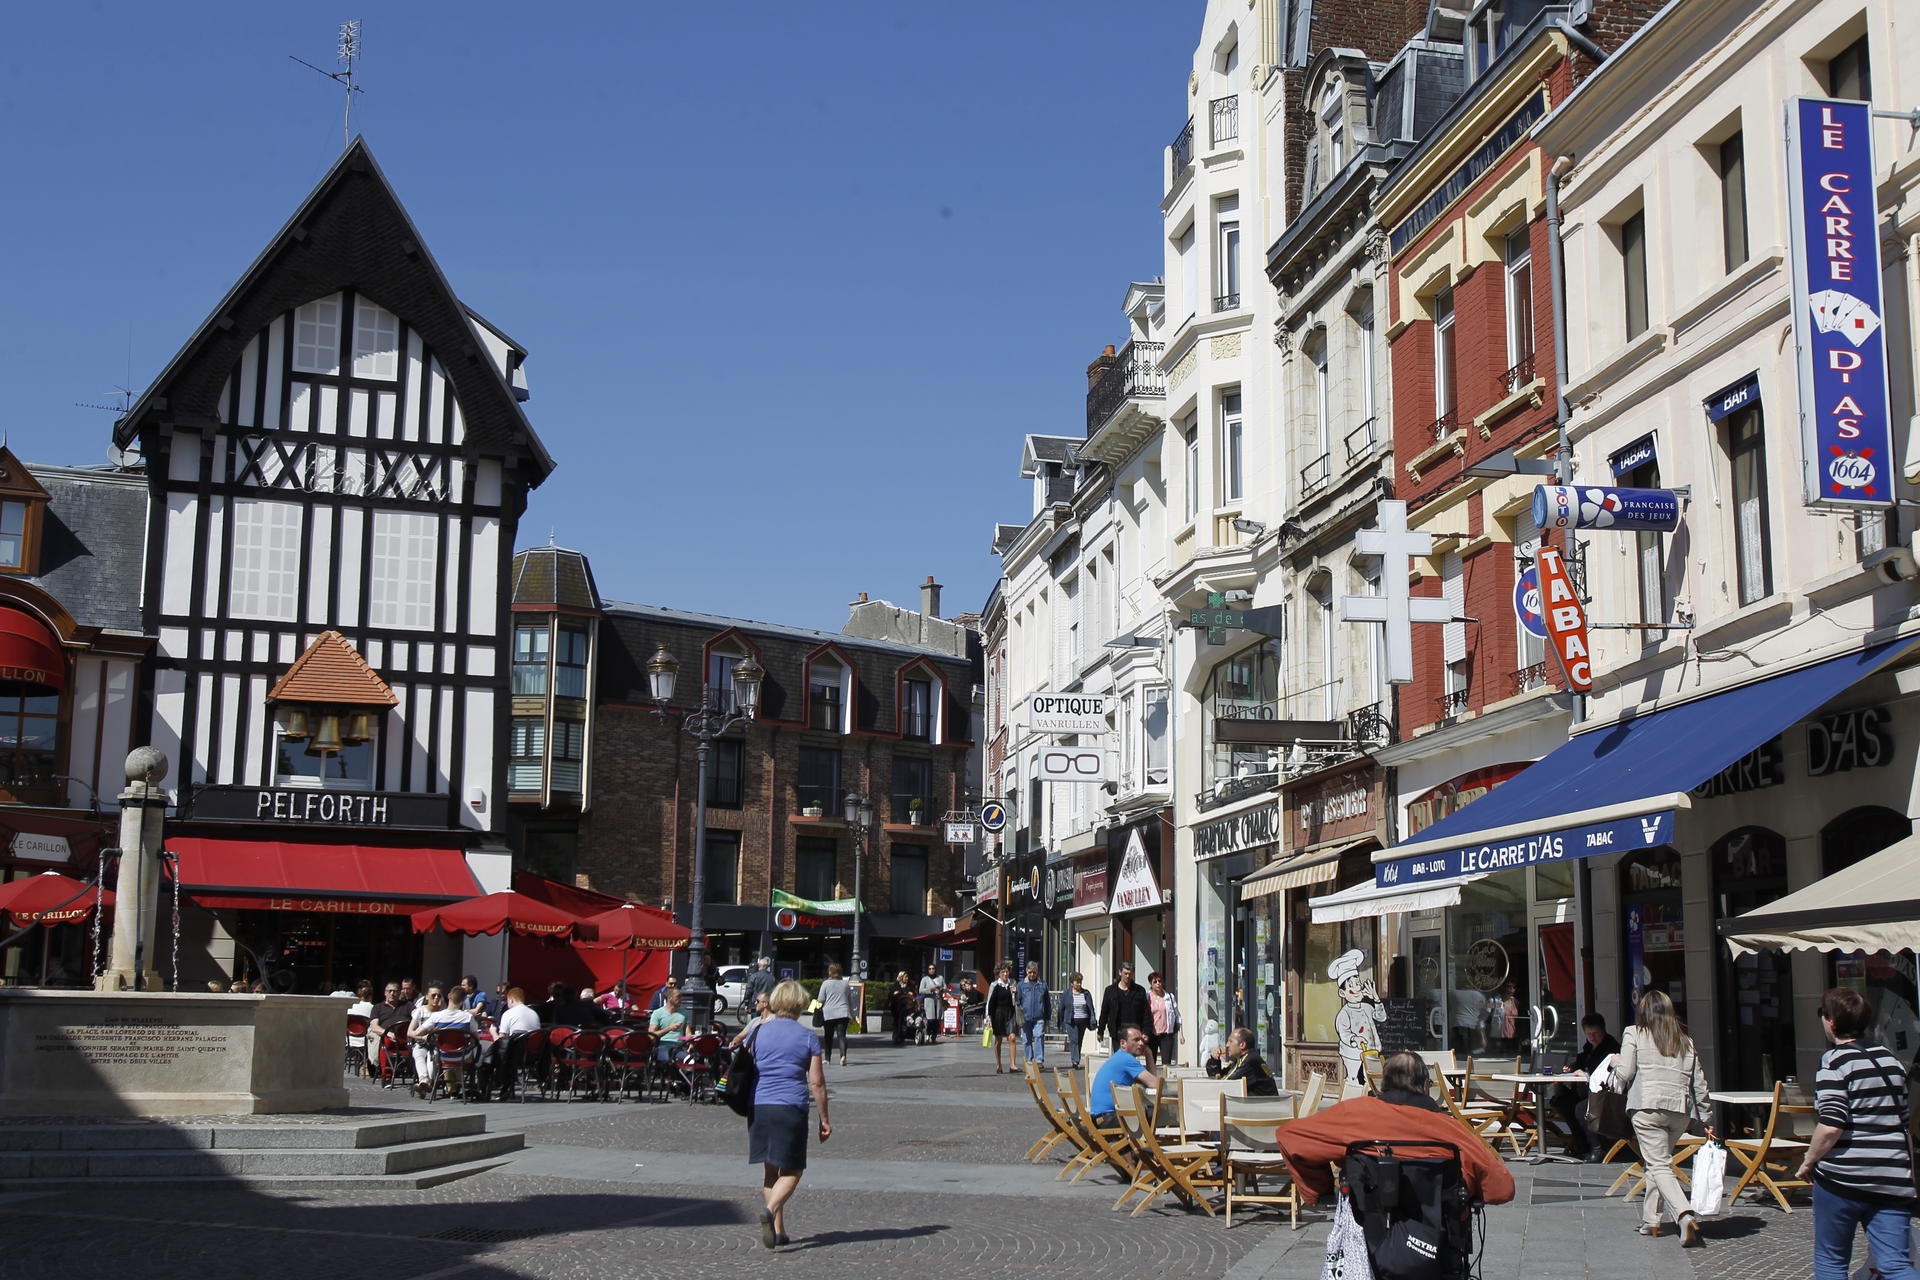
<point x="1781" y="1147"/>
<point x="1482" y="1119"/>
<point x="1375" y="1066"/>
<point x="1309" y="1099"/>
<point x="1250" y="1139"/>
<point x="1504" y="1095"/>
<point x="1200" y="1106"/>
<point x="1183" y="1169"/>
<point x="1109" y="1140"/>
<point x="1056" y="1131"/>
<point x="1438" y="1061"/>
<point x="1088" y="1155"/>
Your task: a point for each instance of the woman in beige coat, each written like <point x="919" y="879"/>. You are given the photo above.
<point x="1666" y="1092"/>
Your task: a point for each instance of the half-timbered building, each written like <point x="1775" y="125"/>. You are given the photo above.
<point x="337" y="461"/>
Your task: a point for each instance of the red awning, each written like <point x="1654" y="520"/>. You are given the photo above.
<point x="29" y="652"/>
<point x="349" y="879"/>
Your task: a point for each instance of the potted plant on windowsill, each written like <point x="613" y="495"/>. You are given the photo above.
<point x="915" y="815"/>
<point x="812" y="811"/>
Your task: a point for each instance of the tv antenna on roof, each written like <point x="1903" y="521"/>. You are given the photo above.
<point x="349" y="50"/>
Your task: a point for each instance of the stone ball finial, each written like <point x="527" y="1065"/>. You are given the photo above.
<point x="147" y="764"/>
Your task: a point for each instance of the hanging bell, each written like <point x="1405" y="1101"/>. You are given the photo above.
<point x="297" y="728"/>
<point x="326" y="742"/>
<point x="359" y="727"/>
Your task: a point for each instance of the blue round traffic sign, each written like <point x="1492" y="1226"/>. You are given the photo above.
<point x="993" y="815"/>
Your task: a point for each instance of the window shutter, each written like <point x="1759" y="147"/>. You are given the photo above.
<point x="1453" y="588"/>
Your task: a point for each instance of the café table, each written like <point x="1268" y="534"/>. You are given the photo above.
<point x="1533" y="1082"/>
<point x="1738" y="1098"/>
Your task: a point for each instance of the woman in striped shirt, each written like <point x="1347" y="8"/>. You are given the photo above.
<point x="1858" y="1158"/>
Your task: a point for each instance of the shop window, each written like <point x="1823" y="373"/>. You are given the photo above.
<point x="814" y="860"/>
<point x="1320" y="946"/>
<point x="1887" y="980"/>
<point x="1653" y="941"/>
<point x="1489" y="982"/>
<point x="29" y="738"/>
<point x="909" y="881"/>
<point x="1755" y="991"/>
<point x="530" y="658"/>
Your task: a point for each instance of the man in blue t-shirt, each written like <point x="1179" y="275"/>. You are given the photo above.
<point x="1123" y="1068"/>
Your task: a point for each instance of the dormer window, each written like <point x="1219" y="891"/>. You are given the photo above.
<point x="22" y="504"/>
<point x="916" y="710"/>
<point x="1333" y="124"/>
<point x="828" y="697"/>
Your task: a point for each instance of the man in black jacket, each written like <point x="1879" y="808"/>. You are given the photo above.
<point x="1123" y="1004"/>
<point x="1241" y="1061"/>
<point x="1569" y="1100"/>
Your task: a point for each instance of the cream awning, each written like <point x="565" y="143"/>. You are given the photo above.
<point x="1873" y="905"/>
<point x="1365" y="901"/>
<point x="1298" y="871"/>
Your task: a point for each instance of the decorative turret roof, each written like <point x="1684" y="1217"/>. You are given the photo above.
<point x="554" y="578"/>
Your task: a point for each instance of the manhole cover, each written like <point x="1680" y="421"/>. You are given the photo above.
<point x="488" y="1235"/>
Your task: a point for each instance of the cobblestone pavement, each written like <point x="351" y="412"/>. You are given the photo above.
<point x="922" y="1176"/>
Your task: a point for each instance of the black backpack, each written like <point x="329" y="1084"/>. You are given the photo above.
<point x="737" y="1082"/>
<point x="1411" y="1201"/>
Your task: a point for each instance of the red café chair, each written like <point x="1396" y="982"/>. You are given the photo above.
<point x="536" y="1064"/>
<point x="396" y="1059"/>
<point x="357" y="1024"/>
<point x="699" y="1063"/>
<point x="582" y="1058"/>
<point x="452" y="1048"/>
<point x="643" y="1063"/>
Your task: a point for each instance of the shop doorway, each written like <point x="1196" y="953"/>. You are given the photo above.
<point x="1653" y="948"/>
<point x="1755" y="997"/>
<point x="1553" y="1004"/>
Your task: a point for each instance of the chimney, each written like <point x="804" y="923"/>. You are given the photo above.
<point x="1098" y="369"/>
<point x="855" y="604"/>
<point x="930" y="597"/>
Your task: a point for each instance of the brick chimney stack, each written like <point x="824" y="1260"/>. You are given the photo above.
<point x="1098" y="369"/>
<point x="930" y="597"/>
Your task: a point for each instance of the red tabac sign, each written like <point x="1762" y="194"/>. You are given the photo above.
<point x="1566" y="620"/>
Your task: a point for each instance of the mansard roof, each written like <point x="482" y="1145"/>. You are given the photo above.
<point x="554" y="578"/>
<point x="332" y="671"/>
<point x="351" y="232"/>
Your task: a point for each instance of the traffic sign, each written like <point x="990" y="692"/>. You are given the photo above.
<point x="993" y="815"/>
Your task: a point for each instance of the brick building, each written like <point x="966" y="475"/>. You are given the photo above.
<point x="839" y="714"/>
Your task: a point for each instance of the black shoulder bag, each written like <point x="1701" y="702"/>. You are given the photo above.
<point x="742" y="1074"/>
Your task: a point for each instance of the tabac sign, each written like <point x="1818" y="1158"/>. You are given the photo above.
<point x="1566" y="619"/>
<point x="1846" y="431"/>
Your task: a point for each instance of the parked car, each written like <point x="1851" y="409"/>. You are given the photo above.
<point x="730" y="991"/>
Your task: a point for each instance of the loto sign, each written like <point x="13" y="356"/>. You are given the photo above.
<point x="1566" y="620"/>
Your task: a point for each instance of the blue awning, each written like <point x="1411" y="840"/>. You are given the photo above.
<point x="1617" y="788"/>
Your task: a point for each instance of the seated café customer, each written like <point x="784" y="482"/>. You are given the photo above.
<point x="668" y="1025"/>
<point x="516" y="1022"/>
<point x="1314" y="1144"/>
<point x="432" y="1016"/>
<point x="1239" y="1060"/>
<point x="1127" y="1066"/>
<point x="1569" y="1101"/>
<point x="618" y="1002"/>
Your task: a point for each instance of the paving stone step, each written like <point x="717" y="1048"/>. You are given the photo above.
<point x="415" y="1181"/>
<point x="197" y="1135"/>
<point x="249" y="1163"/>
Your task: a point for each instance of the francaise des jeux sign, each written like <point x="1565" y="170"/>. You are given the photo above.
<point x="1845" y="427"/>
<point x="304" y="806"/>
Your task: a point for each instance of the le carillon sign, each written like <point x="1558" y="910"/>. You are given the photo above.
<point x="301" y="806"/>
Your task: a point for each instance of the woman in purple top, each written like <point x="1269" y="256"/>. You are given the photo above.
<point x="791" y="1070"/>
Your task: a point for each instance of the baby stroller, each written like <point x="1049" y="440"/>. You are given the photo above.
<point x="1411" y="1202"/>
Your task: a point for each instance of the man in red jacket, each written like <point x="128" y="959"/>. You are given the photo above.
<point x="1403" y="1113"/>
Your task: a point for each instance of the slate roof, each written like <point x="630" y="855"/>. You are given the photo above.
<point x="332" y="670"/>
<point x="351" y="232"/>
<point x="93" y="543"/>
<point x="556" y="578"/>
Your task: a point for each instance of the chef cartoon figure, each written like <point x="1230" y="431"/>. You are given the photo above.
<point x="1360" y="1016"/>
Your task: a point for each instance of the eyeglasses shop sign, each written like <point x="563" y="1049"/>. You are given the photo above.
<point x="1248" y="829"/>
<point x="1067" y="713"/>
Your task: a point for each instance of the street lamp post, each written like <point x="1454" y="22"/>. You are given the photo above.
<point x="859" y="815"/>
<point x="703" y="726"/>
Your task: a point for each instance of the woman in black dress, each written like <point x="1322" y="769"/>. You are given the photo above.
<point x="1000" y="1009"/>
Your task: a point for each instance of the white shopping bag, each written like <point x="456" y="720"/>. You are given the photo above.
<point x="1346" y="1248"/>
<point x="1709" y="1179"/>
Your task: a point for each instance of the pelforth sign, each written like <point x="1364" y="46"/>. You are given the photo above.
<point x="1845" y="428"/>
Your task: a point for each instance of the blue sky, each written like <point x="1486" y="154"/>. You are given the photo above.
<point x="794" y="279"/>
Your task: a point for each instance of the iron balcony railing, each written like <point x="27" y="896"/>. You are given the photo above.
<point x="1224" y="120"/>
<point x="1371" y="725"/>
<point x="1227" y="790"/>
<point x="1361" y="440"/>
<point x="1529" y="677"/>
<point x="1132" y="374"/>
<point x="1226" y="301"/>
<point x="1183" y="150"/>
<point x="1452" y="704"/>
<point x="1444" y="425"/>
<point x="1519" y="375"/>
<point x="1314" y="476"/>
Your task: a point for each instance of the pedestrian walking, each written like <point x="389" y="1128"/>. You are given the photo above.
<point x="1859" y="1158"/>
<point x="902" y="1000"/>
<point x="1032" y="997"/>
<point x="1123" y="1002"/>
<point x="1079" y="1016"/>
<point x="789" y="1060"/>
<point x="1666" y="1093"/>
<point x="836" y="1011"/>
<point x="761" y="981"/>
<point x="1164" y="1010"/>
<point x="1000" y="1016"/>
